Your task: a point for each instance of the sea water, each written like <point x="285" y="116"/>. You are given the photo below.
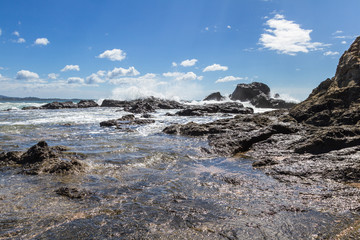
<point x="143" y="184"/>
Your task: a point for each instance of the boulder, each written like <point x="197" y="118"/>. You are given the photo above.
<point x="259" y="95"/>
<point x="202" y="110"/>
<point x="59" y="105"/>
<point x="216" y="96"/>
<point x="87" y="104"/>
<point x="335" y="101"/>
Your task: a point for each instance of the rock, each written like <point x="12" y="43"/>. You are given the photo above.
<point x="87" y="104"/>
<point x="113" y="103"/>
<point x="126" y="120"/>
<point x="143" y="105"/>
<point x="41" y="158"/>
<point x="246" y="92"/>
<point x="202" y="110"/>
<point x="259" y="95"/>
<point x="335" y="101"/>
<point x="277" y="95"/>
<point x="72" y="193"/>
<point x="216" y="96"/>
<point x="59" y="105"/>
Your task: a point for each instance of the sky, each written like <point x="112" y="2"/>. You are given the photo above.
<point x="177" y="49"/>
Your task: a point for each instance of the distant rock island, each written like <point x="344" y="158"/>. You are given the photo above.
<point x="258" y="94"/>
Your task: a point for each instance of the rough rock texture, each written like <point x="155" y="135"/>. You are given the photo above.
<point x="127" y="120"/>
<point x="201" y="110"/>
<point x="143" y="105"/>
<point x="61" y="105"/>
<point x="216" y="96"/>
<point x="41" y="158"/>
<point x="259" y="95"/>
<point x="335" y="101"/>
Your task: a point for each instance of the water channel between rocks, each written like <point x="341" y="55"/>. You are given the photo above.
<point x="145" y="184"/>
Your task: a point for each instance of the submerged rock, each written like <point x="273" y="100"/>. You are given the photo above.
<point x="216" y="96"/>
<point x="126" y="120"/>
<point x="72" y="193"/>
<point x="41" y="158"/>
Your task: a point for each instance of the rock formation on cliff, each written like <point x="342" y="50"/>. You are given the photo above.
<point x="335" y="101"/>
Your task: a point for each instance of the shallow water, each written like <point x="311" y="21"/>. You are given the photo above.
<point x="145" y="185"/>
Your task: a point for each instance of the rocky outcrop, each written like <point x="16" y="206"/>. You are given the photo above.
<point x="335" y="101"/>
<point x="68" y="104"/>
<point x="41" y="158"/>
<point x="216" y="96"/>
<point x="259" y="95"/>
<point x="127" y="120"/>
<point x="143" y="105"/>
<point x="202" y="110"/>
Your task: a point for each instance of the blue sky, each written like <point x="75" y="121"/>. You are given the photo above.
<point x="181" y="48"/>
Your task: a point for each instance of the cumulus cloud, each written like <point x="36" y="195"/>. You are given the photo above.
<point x="229" y="79"/>
<point x="0" y="32"/>
<point x="287" y="37"/>
<point x="70" y="68"/>
<point x="174" y="64"/>
<point x="228" y="27"/>
<point x="75" y="80"/>
<point x="26" y="75"/>
<point x="188" y="62"/>
<point x="121" y="72"/>
<point x="113" y="55"/>
<point x="16" y="33"/>
<point x="41" y="41"/>
<point x="215" y="67"/>
<point x="343" y="42"/>
<point x="21" y="40"/>
<point x="331" y="53"/>
<point x="53" y="76"/>
<point x="180" y="76"/>
<point x="96" y="78"/>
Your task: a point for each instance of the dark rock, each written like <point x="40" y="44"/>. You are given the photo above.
<point x="146" y="115"/>
<point x="143" y="105"/>
<point x="259" y="95"/>
<point x="201" y="110"/>
<point x="335" y="101"/>
<point x="140" y="107"/>
<point x="246" y="92"/>
<point x="129" y="117"/>
<point x="87" y="104"/>
<point x="127" y="120"/>
<point x="113" y="103"/>
<point x="277" y="95"/>
<point x="41" y="158"/>
<point x="72" y="193"/>
<point x="109" y="123"/>
<point x="59" y="105"/>
<point x="214" y="97"/>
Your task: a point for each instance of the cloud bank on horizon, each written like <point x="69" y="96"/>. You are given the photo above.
<point x="132" y="60"/>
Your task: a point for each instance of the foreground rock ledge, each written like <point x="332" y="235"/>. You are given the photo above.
<point x="41" y="158"/>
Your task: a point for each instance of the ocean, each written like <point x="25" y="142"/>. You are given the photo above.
<point x="142" y="183"/>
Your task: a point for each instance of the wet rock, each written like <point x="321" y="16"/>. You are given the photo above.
<point x="202" y="110"/>
<point x="113" y="103"/>
<point x="59" y="105"/>
<point x="259" y="95"/>
<point x="72" y="193"/>
<point x="126" y="120"/>
<point x="216" y="96"/>
<point x="335" y="101"/>
<point x="87" y="104"/>
<point x="41" y="158"/>
<point x="143" y="105"/>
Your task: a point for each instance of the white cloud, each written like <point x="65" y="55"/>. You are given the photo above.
<point x="26" y="75"/>
<point x="215" y="67"/>
<point x="53" y="76"/>
<point x="75" y="80"/>
<point x="0" y="31"/>
<point x="16" y="33"/>
<point x="21" y="40"/>
<point x="331" y="53"/>
<point x="174" y="64"/>
<point x="113" y="55"/>
<point x="228" y="27"/>
<point x="188" y="62"/>
<point x="121" y="72"/>
<point x="96" y="78"/>
<point x="207" y="29"/>
<point x="41" y="41"/>
<point x="70" y="68"/>
<point x="337" y="32"/>
<point x="149" y="77"/>
<point x="287" y="37"/>
<point x="229" y="79"/>
<point x="343" y="42"/>
<point x="180" y="76"/>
